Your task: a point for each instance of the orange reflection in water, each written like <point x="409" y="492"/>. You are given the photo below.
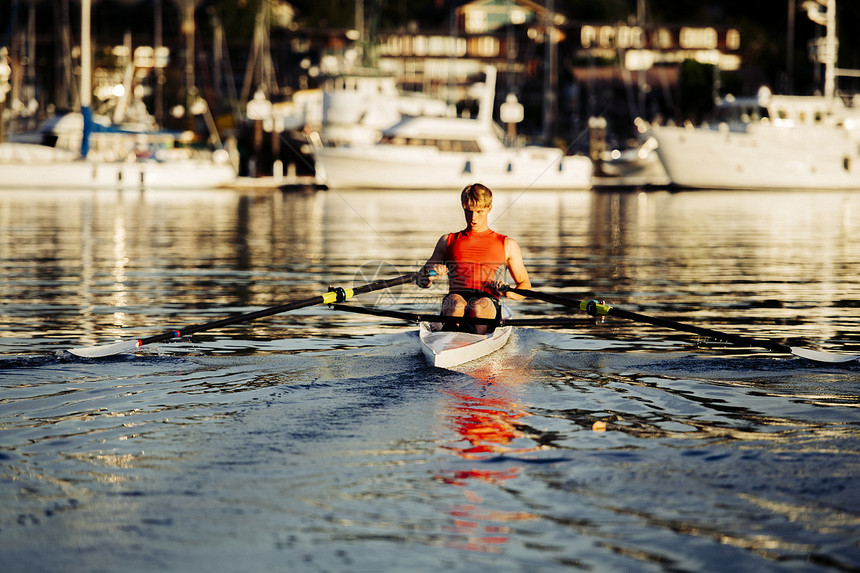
<point x="488" y="427"/>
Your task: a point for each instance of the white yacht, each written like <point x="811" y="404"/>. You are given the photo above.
<point x="426" y="152"/>
<point x="771" y="141"/>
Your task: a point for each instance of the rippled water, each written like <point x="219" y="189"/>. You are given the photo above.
<point x="313" y="441"/>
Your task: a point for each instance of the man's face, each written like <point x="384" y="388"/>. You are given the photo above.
<point x="476" y="217"/>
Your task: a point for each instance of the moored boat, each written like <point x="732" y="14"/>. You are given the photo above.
<point x="32" y="166"/>
<point x="776" y="142"/>
<point x="637" y="167"/>
<point x="432" y="153"/>
<point x="85" y="150"/>
<point x="772" y="141"/>
<point x="428" y="152"/>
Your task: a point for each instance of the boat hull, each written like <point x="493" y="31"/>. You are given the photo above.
<point x="27" y="166"/>
<point x="416" y="167"/>
<point x="760" y="157"/>
<point x="444" y="349"/>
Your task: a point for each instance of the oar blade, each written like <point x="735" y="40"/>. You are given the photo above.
<point x="820" y="356"/>
<point x="122" y="347"/>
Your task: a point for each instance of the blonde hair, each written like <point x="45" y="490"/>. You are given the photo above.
<point x="476" y="196"/>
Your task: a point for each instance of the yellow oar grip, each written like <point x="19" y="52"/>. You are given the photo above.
<point x="337" y="295"/>
<point x="594" y="308"/>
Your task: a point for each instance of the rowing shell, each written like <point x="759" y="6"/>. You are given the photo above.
<point x="445" y="349"/>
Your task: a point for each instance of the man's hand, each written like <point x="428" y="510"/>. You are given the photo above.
<point x="500" y="288"/>
<point x="430" y="274"/>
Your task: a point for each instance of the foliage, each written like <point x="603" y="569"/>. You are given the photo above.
<point x="695" y="89"/>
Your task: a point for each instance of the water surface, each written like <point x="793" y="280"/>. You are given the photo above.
<point x="314" y="441"/>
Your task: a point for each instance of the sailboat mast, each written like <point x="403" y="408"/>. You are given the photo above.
<point x="159" y="70"/>
<point x="830" y="51"/>
<point x="86" y="76"/>
<point x="550" y="73"/>
<point x="188" y="28"/>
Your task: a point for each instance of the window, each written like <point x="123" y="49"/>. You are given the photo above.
<point x="476" y="21"/>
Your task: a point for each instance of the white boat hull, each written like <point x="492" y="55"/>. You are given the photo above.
<point x="27" y="166"/>
<point x="760" y="157"/>
<point x="449" y="349"/>
<point x="424" y="167"/>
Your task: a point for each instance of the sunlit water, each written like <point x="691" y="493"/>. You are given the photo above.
<point x="315" y="441"/>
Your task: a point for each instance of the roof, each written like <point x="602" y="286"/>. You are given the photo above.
<point x="499" y="13"/>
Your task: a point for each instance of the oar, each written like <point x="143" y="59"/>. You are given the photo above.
<point x="595" y="308"/>
<point x="330" y="297"/>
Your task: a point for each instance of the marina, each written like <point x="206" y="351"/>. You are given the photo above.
<point x="223" y="346"/>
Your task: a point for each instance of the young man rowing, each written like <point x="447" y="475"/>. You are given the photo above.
<point x="475" y="260"/>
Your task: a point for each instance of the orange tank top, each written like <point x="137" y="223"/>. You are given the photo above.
<point x="473" y="259"/>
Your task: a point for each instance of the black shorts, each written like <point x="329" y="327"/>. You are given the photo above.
<point x="470" y="295"/>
